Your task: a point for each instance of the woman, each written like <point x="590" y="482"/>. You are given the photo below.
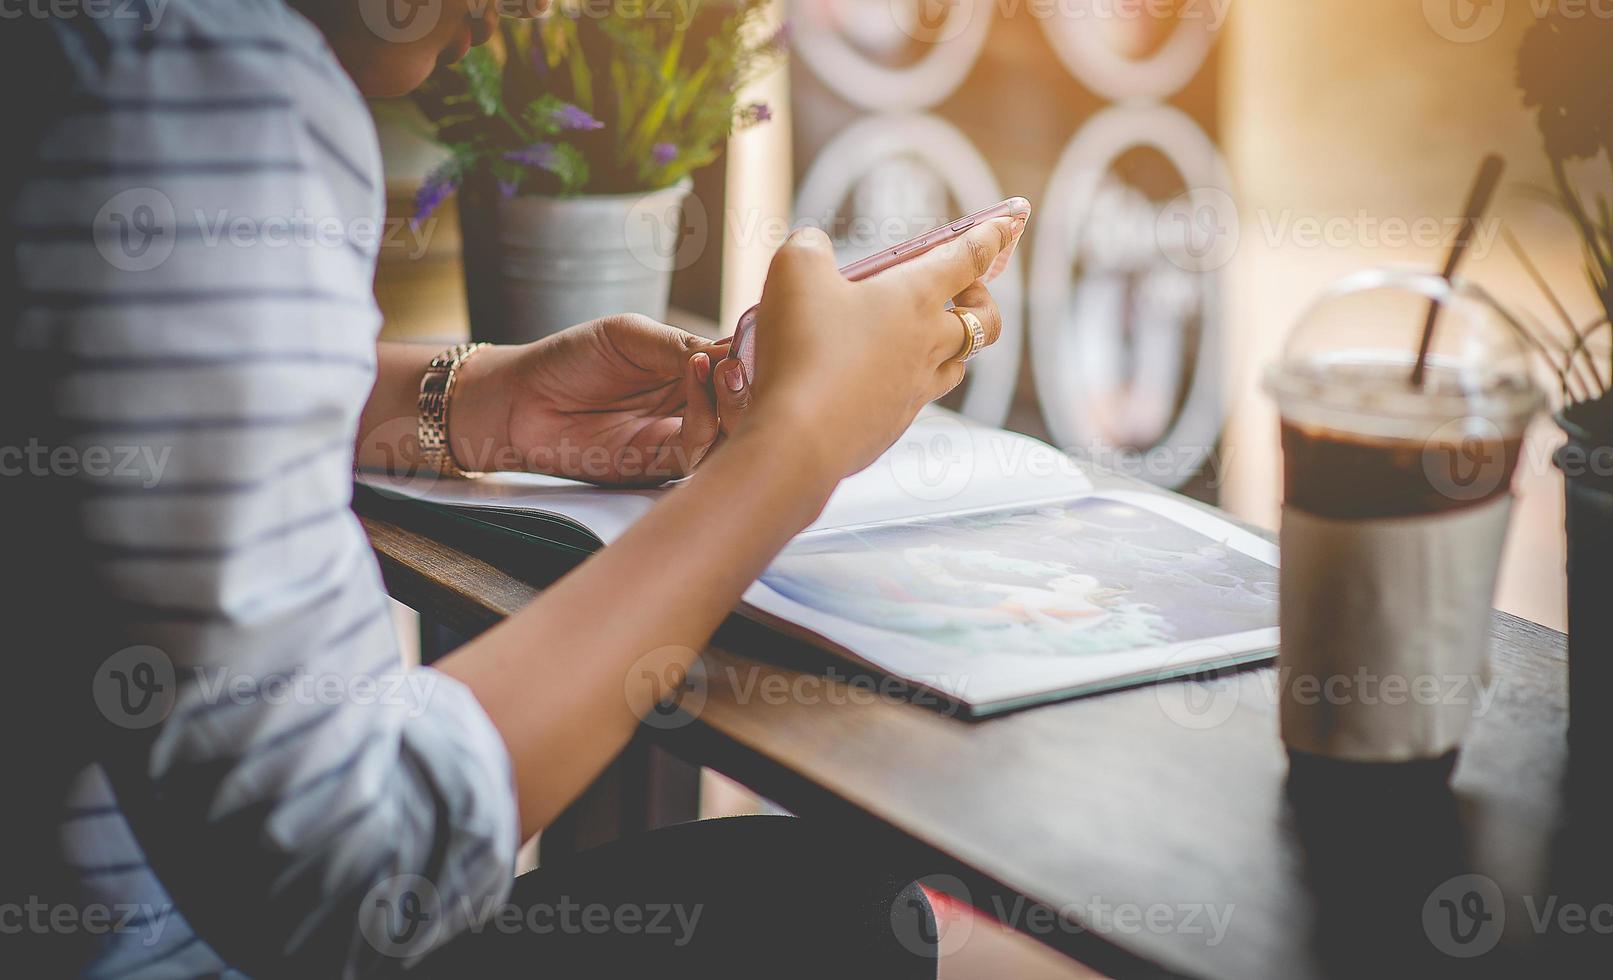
<point x="214" y="773"/>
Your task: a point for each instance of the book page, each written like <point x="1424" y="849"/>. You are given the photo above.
<point x="942" y="464"/>
<point x="605" y="513"/>
<point x="980" y="565"/>
<point x="1005" y="606"/>
<point x="945" y="463"/>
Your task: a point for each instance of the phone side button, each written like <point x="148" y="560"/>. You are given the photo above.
<point x="962" y="224"/>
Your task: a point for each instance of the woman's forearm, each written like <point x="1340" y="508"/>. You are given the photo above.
<point x="566" y="679"/>
<point x="388" y="435"/>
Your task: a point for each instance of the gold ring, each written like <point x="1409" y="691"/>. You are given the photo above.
<point x="974" y="340"/>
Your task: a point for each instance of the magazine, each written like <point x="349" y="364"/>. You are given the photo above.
<point x="975" y="564"/>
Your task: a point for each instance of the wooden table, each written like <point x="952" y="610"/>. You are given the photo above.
<point x="1144" y="832"/>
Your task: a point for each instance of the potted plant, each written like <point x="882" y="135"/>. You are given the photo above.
<point x="571" y="140"/>
<point x="1563" y="70"/>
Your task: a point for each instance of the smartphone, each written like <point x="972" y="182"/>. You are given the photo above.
<point x="744" y="343"/>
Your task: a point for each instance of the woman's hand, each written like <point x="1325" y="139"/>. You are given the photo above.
<point x="846" y="366"/>
<point x="622" y="401"/>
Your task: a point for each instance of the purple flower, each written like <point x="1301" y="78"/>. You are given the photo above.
<point x="567" y="116"/>
<point x="540" y="155"/>
<point x="438" y="186"/>
<point x="664" y="153"/>
<point x="507" y="188"/>
<point x="752" y="115"/>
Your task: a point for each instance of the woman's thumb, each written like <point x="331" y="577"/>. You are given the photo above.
<point x="733" y="392"/>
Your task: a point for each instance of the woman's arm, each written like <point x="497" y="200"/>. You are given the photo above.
<point x="575" y="649"/>
<point x="566" y="680"/>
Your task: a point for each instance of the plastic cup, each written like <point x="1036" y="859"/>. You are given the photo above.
<point x="1396" y="498"/>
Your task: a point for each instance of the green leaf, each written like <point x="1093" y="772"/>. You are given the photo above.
<point x="510" y="173"/>
<point x="693" y="89"/>
<point x="582" y="80"/>
<point x="649" y="124"/>
<point x="540" y="115"/>
<point x="571" y="167"/>
<point x="485" y="78"/>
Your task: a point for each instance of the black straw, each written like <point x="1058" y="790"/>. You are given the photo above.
<point x="1478" y="201"/>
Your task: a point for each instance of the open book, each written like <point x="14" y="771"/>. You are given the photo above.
<point x="977" y="565"/>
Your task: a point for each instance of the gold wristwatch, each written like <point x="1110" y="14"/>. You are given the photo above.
<point x="436" y="393"/>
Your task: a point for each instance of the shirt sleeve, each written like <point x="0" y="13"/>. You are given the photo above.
<point x="196" y="247"/>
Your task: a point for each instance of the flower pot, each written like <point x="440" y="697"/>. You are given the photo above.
<point x="536" y="265"/>
<point x="1587" y="464"/>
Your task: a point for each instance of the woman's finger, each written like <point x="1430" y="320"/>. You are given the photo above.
<point x="701" y="421"/>
<point x="947" y="378"/>
<point x="658" y="348"/>
<point x="977" y="300"/>
<point x="953" y="338"/>
<point x="947" y="270"/>
<point x="733" y="393"/>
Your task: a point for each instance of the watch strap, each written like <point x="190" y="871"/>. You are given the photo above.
<point x="436" y="398"/>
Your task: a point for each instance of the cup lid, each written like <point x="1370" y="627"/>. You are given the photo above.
<point x="1348" y="361"/>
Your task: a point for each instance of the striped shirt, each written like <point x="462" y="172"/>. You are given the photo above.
<point x="192" y="236"/>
